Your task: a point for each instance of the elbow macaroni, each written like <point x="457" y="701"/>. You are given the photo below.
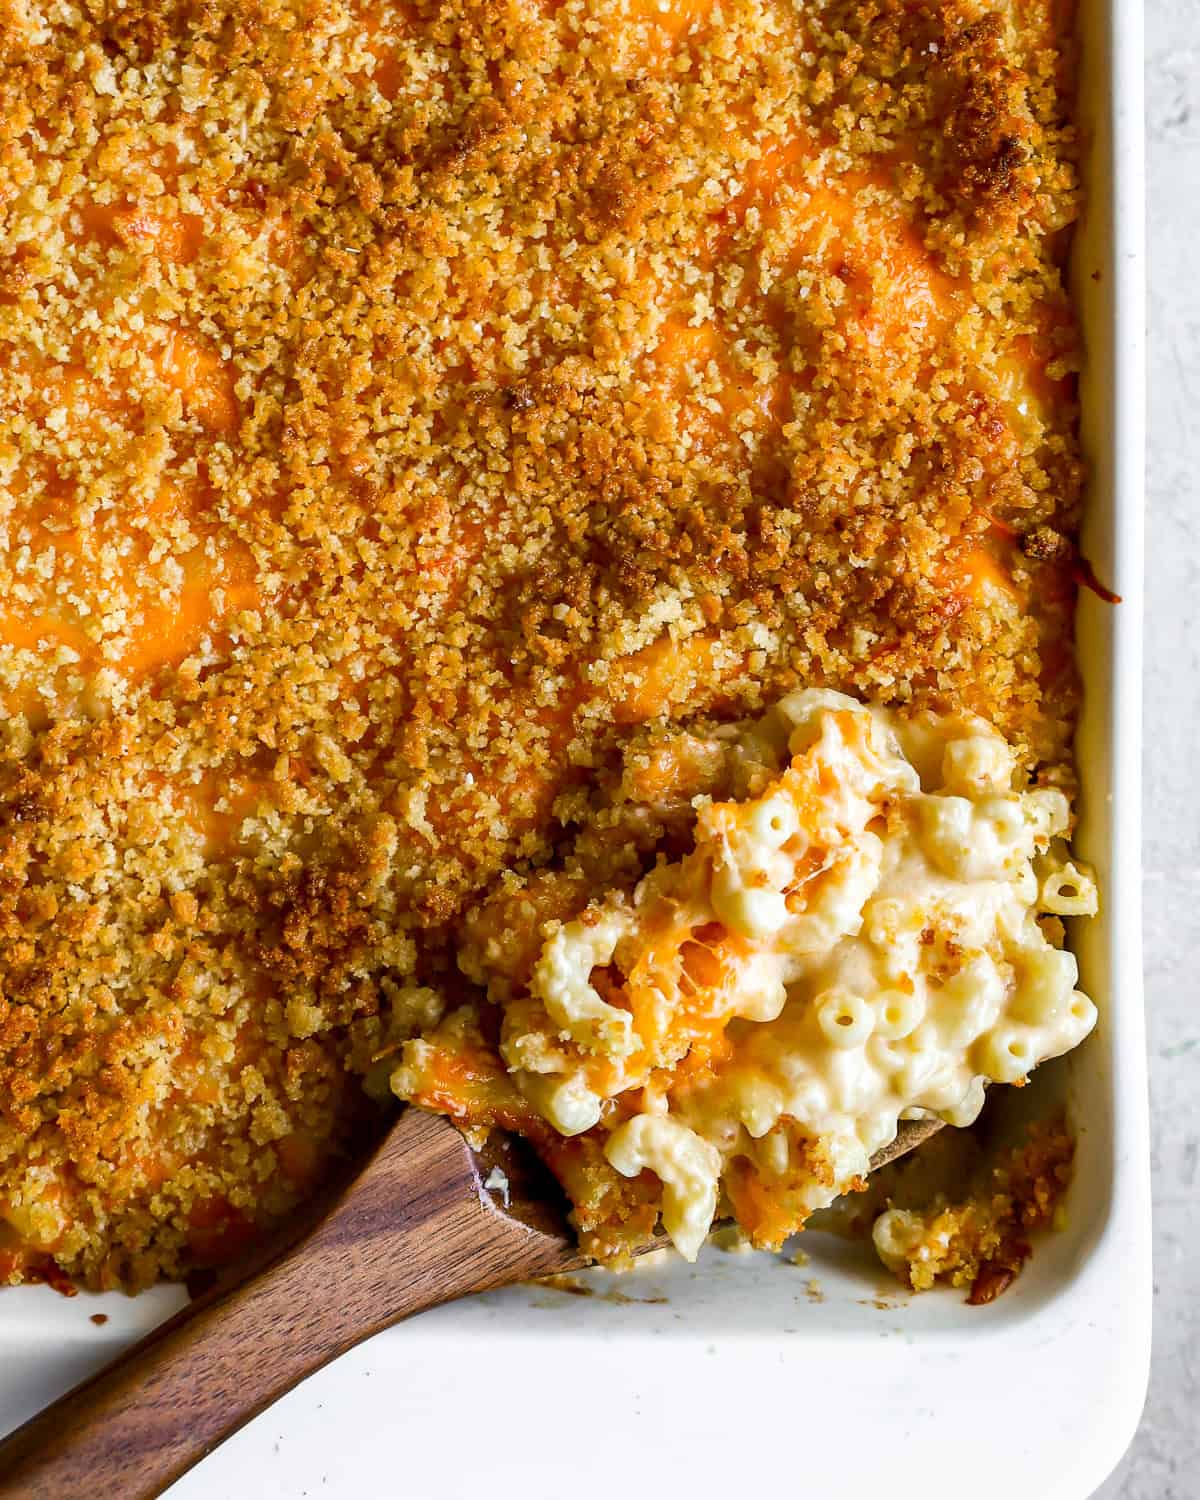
<point x="688" y="1167"/>
<point x="855" y="942"/>
<point x="561" y="980"/>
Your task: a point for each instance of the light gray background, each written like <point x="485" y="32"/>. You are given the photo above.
<point x="1164" y="1461"/>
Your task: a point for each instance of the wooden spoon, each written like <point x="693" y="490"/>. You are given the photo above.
<point x="415" y="1228"/>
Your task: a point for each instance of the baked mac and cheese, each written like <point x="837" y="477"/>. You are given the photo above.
<point x="425" y="427"/>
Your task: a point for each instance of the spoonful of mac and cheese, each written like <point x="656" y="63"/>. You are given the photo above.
<point x="867" y="932"/>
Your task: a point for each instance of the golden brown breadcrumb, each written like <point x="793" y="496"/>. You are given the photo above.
<point x="411" y="413"/>
<point x="976" y="1232"/>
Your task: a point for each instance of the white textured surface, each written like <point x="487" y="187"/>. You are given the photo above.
<point x="1164" y="1461"/>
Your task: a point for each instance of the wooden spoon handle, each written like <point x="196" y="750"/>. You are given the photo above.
<point x="148" y="1417"/>
<point x="408" y="1234"/>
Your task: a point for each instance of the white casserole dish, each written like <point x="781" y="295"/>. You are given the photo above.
<point x="734" y="1375"/>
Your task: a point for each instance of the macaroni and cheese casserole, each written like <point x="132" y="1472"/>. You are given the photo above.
<point x="537" y="564"/>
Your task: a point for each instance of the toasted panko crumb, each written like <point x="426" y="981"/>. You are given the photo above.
<point x="981" y="1239"/>
<point x="412" y="414"/>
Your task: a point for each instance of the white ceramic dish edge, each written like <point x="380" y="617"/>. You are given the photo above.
<point x="746" y="1371"/>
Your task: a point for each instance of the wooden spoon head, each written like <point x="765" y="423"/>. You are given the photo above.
<point x="910" y="1135"/>
<point x="497" y="1206"/>
<point x="513" y="1178"/>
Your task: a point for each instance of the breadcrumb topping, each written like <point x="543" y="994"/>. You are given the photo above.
<point x="412" y="415"/>
<point x="978" y="1235"/>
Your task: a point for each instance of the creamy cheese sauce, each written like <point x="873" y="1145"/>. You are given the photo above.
<point x="876" y="955"/>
